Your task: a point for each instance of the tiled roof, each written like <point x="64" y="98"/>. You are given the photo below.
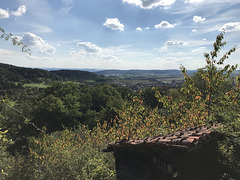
<point x="179" y="140"/>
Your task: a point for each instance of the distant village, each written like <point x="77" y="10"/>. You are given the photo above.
<point x="140" y="86"/>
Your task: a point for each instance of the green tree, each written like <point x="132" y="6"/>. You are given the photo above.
<point x="58" y="106"/>
<point x="105" y="95"/>
<point x="126" y="93"/>
<point x="68" y="104"/>
<point x="211" y="86"/>
<point x="105" y="99"/>
<point x="148" y="95"/>
<point x="210" y="82"/>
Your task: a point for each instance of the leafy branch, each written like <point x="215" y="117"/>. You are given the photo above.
<point x="15" y="41"/>
<point x="26" y="120"/>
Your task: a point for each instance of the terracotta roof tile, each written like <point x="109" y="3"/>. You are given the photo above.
<point x="180" y="139"/>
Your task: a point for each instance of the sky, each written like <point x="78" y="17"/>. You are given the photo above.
<point x="118" y="34"/>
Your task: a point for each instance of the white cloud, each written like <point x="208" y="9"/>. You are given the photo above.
<point x="136" y="2"/>
<point x="148" y="4"/>
<point x="114" y="24"/>
<point x="95" y="56"/>
<point x="211" y="1"/>
<point x="89" y="47"/>
<point x="33" y="40"/>
<point x="20" y="11"/>
<point x="4" y="13"/>
<point x="197" y="43"/>
<point x="172" y="43"/>
<point x="193" y="1"/>
<point x="164" y="24"/>
<point x="232" y="26"/>
<point x="80" y="53"/>
<point x="197" y="19"/>
<point x="194" y="30"/>
<point x="139" y="29"/>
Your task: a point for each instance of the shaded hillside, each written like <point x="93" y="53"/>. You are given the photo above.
<point x="74" y="69"/>
<point x="76" y="75"/>
<point x="21" y="74"/>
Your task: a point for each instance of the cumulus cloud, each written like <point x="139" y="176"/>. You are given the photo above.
<point x="230" y="27"/>
<point x="193" y="1"/>
<point x="172" y="43"/>
<point x="197" y="19"/>
<point x="194" y="30"/>
<point x="20" y="11"/>
<point x="114" y="24"/>
<point x="33" y="40"/>
<point x="139" y="29"/>
<point x="4" y="13"/>
<point x="95" y="55"/>
<point x="89" y="47"/>
<point x="148" y="4"/>
<point x="164" y="24"/>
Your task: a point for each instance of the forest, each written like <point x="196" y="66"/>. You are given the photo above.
<point x="55" y="126"/>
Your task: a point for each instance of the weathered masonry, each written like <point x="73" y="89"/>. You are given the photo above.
<point x="184" y="155"/>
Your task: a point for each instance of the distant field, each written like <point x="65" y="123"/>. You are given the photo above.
<point x="36" y="85"/>
<point x="170" y="79"/>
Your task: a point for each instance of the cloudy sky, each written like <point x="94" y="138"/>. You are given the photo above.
<point x="118" y="34"/>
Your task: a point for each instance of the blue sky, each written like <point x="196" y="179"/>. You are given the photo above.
<point x="118" y="34"/>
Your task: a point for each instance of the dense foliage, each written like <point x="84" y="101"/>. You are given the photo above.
<point x="76" y="75"/>
<point x="59" y="131"/>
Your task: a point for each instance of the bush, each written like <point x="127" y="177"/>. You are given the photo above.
<point x="65" y="155"/>
<point x="5" y="158"/>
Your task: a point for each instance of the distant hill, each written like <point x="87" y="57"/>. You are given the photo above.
<point x="21" y="74"/>
<point x="76" y="75"/>
<point x="11" y="73"/>
<point x="172" y="72"/>
<point x="74" y="69"/>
